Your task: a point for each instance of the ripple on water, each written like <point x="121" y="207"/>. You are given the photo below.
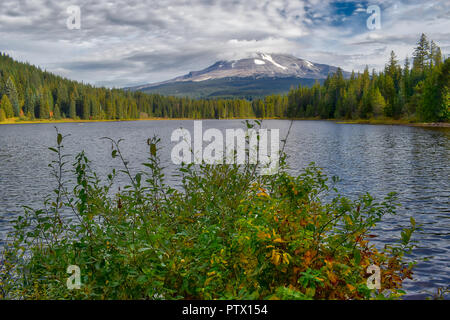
<point x="377" y="159"/>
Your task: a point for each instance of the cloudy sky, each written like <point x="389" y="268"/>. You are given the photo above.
<point x="130" y="42"/>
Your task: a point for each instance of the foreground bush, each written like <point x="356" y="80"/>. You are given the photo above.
<point x="226" y="233"/>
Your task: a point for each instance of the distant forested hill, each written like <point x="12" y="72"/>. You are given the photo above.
<point x="231" y="88"/>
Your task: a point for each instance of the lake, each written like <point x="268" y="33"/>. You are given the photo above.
<point x="412" y="161"/>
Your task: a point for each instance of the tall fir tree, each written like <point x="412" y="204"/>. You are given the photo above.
<point x="57" y="112"/>
<point x="435" y="104"/>
<point x="44" y="106"/>
<point x="435" y="54"/>
<point x="13" y="96"/>
<point x="72" y="109"/>
<point x="7" y="107"/>
<point x="421" y="54"/>
<point x="86" y="109"/>
<point x="2" y="115"/>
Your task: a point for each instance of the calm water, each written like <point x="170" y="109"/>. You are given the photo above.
<point x="378" y="159"/>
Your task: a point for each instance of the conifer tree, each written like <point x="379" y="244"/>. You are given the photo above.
<point x="44" y="107"/>
<point x="2" y="115"/>
<point x="435" y="54"/>
<point x="435" y="104"/>
<point x="30" y="101"/>
<point x="7" y="107"/>
<point x="377" y="102"/>
<point x="72" y="109"/>
<point x="11" y="91"/>
<point x="86" y="109"/>
<point x="421" y="54"/>
<point x="57" y="112"/>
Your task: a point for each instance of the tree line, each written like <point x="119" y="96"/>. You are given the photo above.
<point x="418" y="92"/>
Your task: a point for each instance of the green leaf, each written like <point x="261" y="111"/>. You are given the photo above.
<point x="153" y="149"/>
<point x="357" y="256"/>
<point x="142" y="279"/>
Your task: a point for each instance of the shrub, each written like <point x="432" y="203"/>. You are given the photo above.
<point x="225" y="233"/>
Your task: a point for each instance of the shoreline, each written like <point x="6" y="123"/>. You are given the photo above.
<point x="360" y="121"/>
<point x="396" y="122"/>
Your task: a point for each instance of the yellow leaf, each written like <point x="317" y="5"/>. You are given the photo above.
<point x="286" y="258"/>
<point x="277" y="259"/>
<point x="332" y="277"/>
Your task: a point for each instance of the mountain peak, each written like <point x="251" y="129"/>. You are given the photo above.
<point x="259" y="65"/>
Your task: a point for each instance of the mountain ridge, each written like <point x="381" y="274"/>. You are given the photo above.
<point x="257" y="71"/>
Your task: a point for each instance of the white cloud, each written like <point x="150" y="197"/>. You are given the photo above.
<point x="125" y="42"/>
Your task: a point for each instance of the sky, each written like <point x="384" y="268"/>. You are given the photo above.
<point x="129" y="42"/>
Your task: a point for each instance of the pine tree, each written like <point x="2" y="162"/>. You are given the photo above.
<point x="2" y="115"/>
<point x="109" y="110"/>
<point x="29" y="106"/>
<point x="377" y="102"/>
<point x="390" y="94"/>
<point x="435" y="54"/>
<point x="134" y="111"/>
<point x="434" y="105"/>
<point x="392" y="67"/>
<point x="7" y="107"/>
<point x="407" y="88"/>
<point x="11" y="91"/>
<point x="86" y="110"/>
<point x="72" y="109"/>
<point x="95" y="109"/>
<point x="57" y="112"/>
<point x="421" y="54"/>
<point x="44" y="106"/>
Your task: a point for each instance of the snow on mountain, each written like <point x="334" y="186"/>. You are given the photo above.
<point x="261" y="65"/>
<point x="269" y="58"/>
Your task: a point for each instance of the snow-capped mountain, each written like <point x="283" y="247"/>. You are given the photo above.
<point x="260" y="66"/>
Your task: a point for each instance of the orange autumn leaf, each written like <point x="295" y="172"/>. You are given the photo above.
<point x="350" y="287"/>
<point x="332" y="277"/>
